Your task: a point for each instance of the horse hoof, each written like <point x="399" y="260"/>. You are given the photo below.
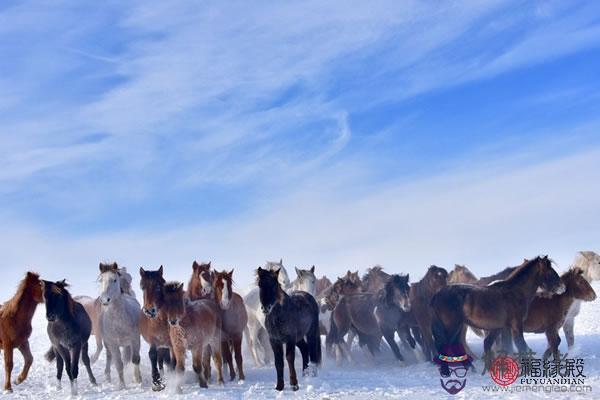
<point x="8" y="390"/>
<point x="158" y="386"/>
<point x="295" y="387"/>
<point x="279" y="388"/>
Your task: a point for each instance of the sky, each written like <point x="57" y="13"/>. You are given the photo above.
<point x="341" y="134"/>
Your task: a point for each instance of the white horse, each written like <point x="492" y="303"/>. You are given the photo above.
<point x="589" y="262"/>
<point x="256" y="333"/>
<point x="306" y="281"/>
<point x="119" y="325"/>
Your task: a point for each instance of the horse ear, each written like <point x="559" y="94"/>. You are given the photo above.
<point x="312" y="269"/>
<point x="180" y="286"/>
<point x="195" y="265"/>
<point x="230" y="273"/>
<point x="209" y="264"/>
<point x="142" y="272"/>
<point x="281" y="261"/>
<point x="297" y="271"/>
<point x="160" y="271"/>
<point x="407" y="279"/>
<point x="62" y="284"/>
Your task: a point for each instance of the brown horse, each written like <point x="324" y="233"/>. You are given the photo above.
<point x="421" y="294"/>
<point x="15" y="325"/>
<point x="321" y="284"/>
<point x="502" y="304"/>
<point x="193" y="325"/>
<point x="500" y="276"/>
<point x="461" y="274"/>
<point x="153" y="324"/>
<point x="547" y="315"/>
<point x="200" y="283"/>
<point x="375" y="279"/>
<point x="234" y="320"/>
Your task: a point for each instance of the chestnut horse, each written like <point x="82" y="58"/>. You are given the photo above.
<point x="547" y="315"/>
<point x="15" y="325"/>
<point x="321" y="284"/>
<point x="289" y="319"/>
<point x="200" y="283"/>
<point x="193" y="325"/>
<point x="153" y="324"/>
<point x="234" y="320"/>
<point x="502" y="304"/>
<point x="461" y="274"/>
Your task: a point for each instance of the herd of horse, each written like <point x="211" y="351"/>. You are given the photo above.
<point x="278" y="315"/>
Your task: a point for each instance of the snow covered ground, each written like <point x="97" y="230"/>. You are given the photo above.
<point x="382" y="378"/>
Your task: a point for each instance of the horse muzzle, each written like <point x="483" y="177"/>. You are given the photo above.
<point x="150" y="312"/>
<point x="173" y="322"/>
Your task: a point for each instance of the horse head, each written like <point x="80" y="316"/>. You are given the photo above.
<point x="548" y="279"/>
<point x="110" y="286"/>
<point x="152" y="283"/>
<point x="223" y="285"/>
<point x="57" y="298"/>
<point x="577" y="285"/>
<point x="202" y="278"/>
<point x="306" y="280"/>
<point x="270" y="292"/>
<point x="461" y="274"/>
<point x="174" y="302"/>
<point x="396" y="292"/>
<point x="436" y="278"/>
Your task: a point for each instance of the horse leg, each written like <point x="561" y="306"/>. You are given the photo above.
<point x="463" y="340"/>
<point x="197" y="365"/>
<point x="350" y="338"/>
<point x="278" y="355"/>
<point x="290" y="355"/>
<point x="553" y="343"/>
<point x="488" y="342"/>
<point x="179" y="352"/>
<point x="263" y="337"/>
<point x="75" y="352"/>
<point x="303" y="347"/>
<point x="252" y="346"/>
<point x="568" y="330"/>
<point x="66" y="356"/>
<point x="217" y="358"/>
<point x="108" y="363"/>
<point x="8" y="366"/>
<point x="157" y="384"/>
<point x="98" y="347"/>
<point x="86" y="362"/>
<point x="237" y="348"/>
<point x="28" y="359"/>
<point x="226" y="352"/>
<point x="59" y="369"/>
<point x="135" y="359"/>
<point x="118" y="361"/>
<point x="406" y="337"/>
<point x="517" y="333"/>
<point x="206" y="355"/>
<point x="389" y="338"/>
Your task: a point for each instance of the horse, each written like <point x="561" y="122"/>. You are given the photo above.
<point x="589" y="263"/>
<point x="421" y="294"/>
<point x="321" y="284"/>
<point x="375" y="279"/>
<point x="69" y="328"/>
<point x="305" y="281"/>
<point x="153" y="324"/>
<point x="256" y="334"/>
<point x="461" y="274"/>
<point x="392" y="310"/>
<point x="234" y="320"/>
<point x="15" y="326"/>
<point x="291" y="319"/>
<point x="502" y="304"/>
<point x="93" y="307"/>
<point x="193" y="325"/>
<point x="547" y="315"/>
<point x="500" y="276"/>
<point x="119" y="325"/>
<point x="200" y="283"/>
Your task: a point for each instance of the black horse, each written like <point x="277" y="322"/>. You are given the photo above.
<point x="289" y="319"/>
<point x="69" y="328"/>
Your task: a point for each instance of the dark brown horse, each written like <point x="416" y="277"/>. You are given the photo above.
<point x="292" y="320"/>
<point x="193" y="325"/>
<point x="153" y="324"/>
<point x="502" y="304"/>
<point x="421" y="294"/>
<point x="234" y="320"/>
<point x="547" y="315"/>
<point x="461" y="274"/>
<point x="393" y="306"/>
<point x="374" y="280"/>
<point x="321" y="284"/>
<point x="15" y="325"/>
<point x="200" y="283"/>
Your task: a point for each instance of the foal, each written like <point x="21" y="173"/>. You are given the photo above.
<point x="547" y="315"/>
<point x="234" y="320"/>
<point x="193" y="325"/>
<point x="153" y="323"/>
<point x="69" y="328"/>
<point x="15" y="326"/>
<point x="289" y="319"/>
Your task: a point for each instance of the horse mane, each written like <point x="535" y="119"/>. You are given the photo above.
<point x="10" y="307"/>
<point x="370" y="271"/>
<point x="523" y="268"/>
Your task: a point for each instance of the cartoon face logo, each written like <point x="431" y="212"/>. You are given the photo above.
<point x="453" y="364"/>
<point x="453" y="378"/>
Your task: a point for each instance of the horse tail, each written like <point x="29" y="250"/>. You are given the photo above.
<point x="50" y="355"/>
<point x="314" y="339"/>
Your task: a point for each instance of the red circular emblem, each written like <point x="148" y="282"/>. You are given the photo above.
<point x="504" y="371"/>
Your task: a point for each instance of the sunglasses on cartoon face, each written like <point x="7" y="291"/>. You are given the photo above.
<point x="459" y="372"/>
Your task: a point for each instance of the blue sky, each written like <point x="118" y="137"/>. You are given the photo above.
<point x="157" y="133"/>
